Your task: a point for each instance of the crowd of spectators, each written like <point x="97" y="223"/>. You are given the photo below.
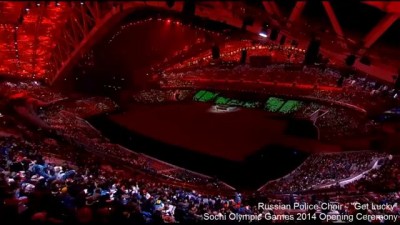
<point x="322" y="169"/>
<point x="360" y="93"/>
<point x="34" y="88"/>
<point x="357" y="88"/>
<point x="384" y="179"/>
<point x="334" y="122"/>
<point x="320" y="82"/>
<point x="37" y="185"/>
<point x="72" y="174"/>
<point x="231" y="51"/>
<point x="65" y="120"/>
<point x="44" y="179"/>
<point x="337" y="122"/>
<point x="87" y="107"/>
<point x="78" y="176"/>
<point x="80" y="133"/>
<point x="42" y="189"/>
<point x="159" y="96"/>
<point x="34" y="91"/>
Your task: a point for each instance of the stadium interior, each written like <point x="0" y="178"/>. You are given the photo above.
<point x="149" y="112"/>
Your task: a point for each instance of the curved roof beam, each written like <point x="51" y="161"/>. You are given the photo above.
<point x="100" y="28"/>
<point x="296" y="12"/>
<point x="386" y="6"/>
<point x="332" y="17"/>
<point x="378" y="31"/>
<point x="276" y="9"/>
<point x="272" y="8"/>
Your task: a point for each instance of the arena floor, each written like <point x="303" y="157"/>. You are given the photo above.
<point x="232" y="135"/>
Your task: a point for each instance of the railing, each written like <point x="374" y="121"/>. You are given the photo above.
<point x="184" y="169"/>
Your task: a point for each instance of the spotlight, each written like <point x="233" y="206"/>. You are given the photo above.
<point x="263" y="31"/>
<point x="28" y="6"/>
<point x="57" y="3"/>
<point x="37" y="4"/>
<point x="82" y="3"/>
<point x="168" y="21"/>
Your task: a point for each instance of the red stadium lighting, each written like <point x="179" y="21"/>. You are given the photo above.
<point x="168" y="21"/>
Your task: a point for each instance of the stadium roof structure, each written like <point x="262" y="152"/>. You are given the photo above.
<point x="44" y="40"/>
<point x="386" y="6"/>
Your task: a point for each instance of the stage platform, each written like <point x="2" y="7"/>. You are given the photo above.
<point x="232" y="135"/>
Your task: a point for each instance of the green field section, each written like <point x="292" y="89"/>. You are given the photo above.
<point x="204" y="96"/>
<point x="222" y="100"/>
<point x="272" y="104"/>
<point x="290" y="106"/>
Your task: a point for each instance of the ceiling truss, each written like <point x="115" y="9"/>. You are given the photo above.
<point x="43" y="40"/>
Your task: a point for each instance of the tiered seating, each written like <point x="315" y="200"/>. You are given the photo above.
<point x="321" y="169"/>
<point x="158" y="96"/>
<point x="230" y="51"/>
<point x="314" y="83"/>
<point x="108" y="183"/>
<point x="385" y="178"/>
<point x="88" y="107"/>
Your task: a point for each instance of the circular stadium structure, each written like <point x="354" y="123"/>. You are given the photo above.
<point x="199" y="111"/>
